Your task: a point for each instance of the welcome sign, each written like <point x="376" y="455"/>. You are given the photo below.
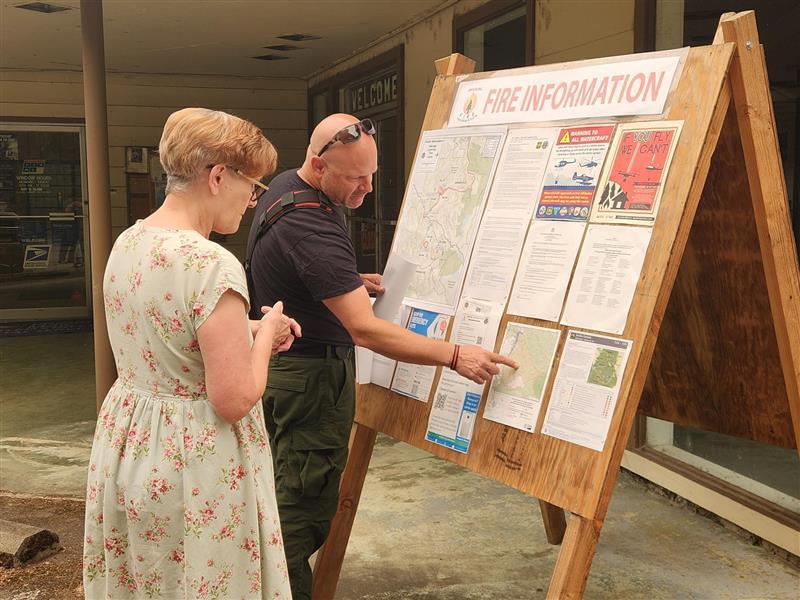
<point x="633" y="87"/>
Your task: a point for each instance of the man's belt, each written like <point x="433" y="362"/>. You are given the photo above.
<point x="320" y="351"/>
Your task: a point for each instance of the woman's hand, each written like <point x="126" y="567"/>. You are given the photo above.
<point x="480" y="365"/>
<point x="286" y="329"/>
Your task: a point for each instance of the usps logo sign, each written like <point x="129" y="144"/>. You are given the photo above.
<point x="37" y="256"/>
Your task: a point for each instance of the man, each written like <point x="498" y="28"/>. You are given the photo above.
<point x="305" y="258"/>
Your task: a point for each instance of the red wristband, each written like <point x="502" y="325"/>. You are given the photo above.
<point x="454" y="362"/>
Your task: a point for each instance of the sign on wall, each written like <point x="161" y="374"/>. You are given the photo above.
<point x="377" y="91"/>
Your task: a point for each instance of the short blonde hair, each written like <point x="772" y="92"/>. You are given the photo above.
<point x="194" y="138"/>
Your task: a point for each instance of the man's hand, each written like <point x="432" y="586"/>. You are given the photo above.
<point x="372" y="281"/>
<point x="480" y="365"/>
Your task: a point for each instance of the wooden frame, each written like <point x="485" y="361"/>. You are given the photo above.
<point x="492" y="10"/>
<point x="571" y="477"/>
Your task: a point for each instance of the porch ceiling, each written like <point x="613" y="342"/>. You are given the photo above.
<point x="209" y="37"/>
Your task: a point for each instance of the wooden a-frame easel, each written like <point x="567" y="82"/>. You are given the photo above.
<point x="722" y="86"/>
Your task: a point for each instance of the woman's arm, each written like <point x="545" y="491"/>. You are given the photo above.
<point x="236" y="372"/>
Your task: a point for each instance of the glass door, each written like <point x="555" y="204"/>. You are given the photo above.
<point x="43" y="223"/>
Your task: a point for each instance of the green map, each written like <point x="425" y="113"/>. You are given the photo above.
<point x="605" y="368"/>
<point x="442" y="209"/>
<point x="533" y="348"/>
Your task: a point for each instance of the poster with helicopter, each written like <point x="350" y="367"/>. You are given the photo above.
<point x="633" y="179"/>
<point x="571" y="175"/>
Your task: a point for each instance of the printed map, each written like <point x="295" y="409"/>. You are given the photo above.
<point x="533" y="348"/>
<point x="443" y="207"/>
<point x="605" y="368"/>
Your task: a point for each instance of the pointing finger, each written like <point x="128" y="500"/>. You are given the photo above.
<point x="505" y="360"/>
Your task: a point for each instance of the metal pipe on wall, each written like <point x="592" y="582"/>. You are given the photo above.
<point x="94" y="100"/>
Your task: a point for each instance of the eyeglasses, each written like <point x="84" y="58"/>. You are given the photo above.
<point x="258" y="187"/>
<point x="349" y="134"/>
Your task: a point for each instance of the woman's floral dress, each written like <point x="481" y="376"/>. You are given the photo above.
<point x="179" y="503"/>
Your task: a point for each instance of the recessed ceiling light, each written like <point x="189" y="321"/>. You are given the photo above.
<point x="43" y="7"/>
<point x="284" y="47"/>
<point x="271" y="57"/>
<point x="299" y="37"/>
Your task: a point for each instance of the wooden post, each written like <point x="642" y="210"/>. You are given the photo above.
<point x="555" y="522"/>
<point x="455" y="64"/>
<point x="751" y="98"/>
<point x="94" y="94"/>
<point x="574" y="559"/>
<point x="331" y="556"/>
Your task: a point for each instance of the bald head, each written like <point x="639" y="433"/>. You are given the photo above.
<point x="344" y="172"/>
<point x="327" y="128"/>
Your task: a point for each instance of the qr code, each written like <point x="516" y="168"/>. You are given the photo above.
<point x="441" y="398"/>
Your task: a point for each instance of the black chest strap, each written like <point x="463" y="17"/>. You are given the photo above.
<point x="289" y="202"/>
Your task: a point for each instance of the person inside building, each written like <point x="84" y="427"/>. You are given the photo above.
<point x="299" y="251"/>
<point x="180" y="495"/>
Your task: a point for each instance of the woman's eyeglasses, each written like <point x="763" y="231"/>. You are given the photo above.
<point x="349" y="134"/>
<point x="258" y="187"/>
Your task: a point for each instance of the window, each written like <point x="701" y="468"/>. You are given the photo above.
<point x="497" y="35"/>
<point x="43" y="231"/>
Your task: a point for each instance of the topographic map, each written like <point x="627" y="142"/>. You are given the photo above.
<point x="605" y="368"/>
<point x="442" y="209"/>
<point x="532" y="348"/>
<point x="516" y="396"/>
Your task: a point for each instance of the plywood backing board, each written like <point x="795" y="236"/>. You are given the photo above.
<point x="561" y="473"/>
<point x="716" y="364"/>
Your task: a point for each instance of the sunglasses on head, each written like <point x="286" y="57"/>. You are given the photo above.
<point x="349" y="134"/>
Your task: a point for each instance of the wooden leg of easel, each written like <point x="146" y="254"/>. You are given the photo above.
<point x="756" y="117"/>
<point x="555" y="523"/>
<point x="574" y="559"/>
<point x="330" y="557"/>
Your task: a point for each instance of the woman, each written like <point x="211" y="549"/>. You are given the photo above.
<point x="180" y="499"/>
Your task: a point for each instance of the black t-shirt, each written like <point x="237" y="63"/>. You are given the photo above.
<point x="305" y="257"/>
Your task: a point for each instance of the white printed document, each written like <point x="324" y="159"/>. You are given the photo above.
<point x="457" y="399"/>
<point x="544" y="270"/>
<point x="454" y="411"/>
<point x="397" y="275"/>
<point x="414" y="380"/>
<point x="606" y="276"/>
<point x="382" y="367"/>
<point x="508" y="212"/>
<point x="586" y="388"/>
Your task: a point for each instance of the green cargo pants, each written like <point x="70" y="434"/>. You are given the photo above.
<point x="309" y="407"/>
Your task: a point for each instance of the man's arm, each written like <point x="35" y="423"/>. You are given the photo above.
<point x="355" y="313"/>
